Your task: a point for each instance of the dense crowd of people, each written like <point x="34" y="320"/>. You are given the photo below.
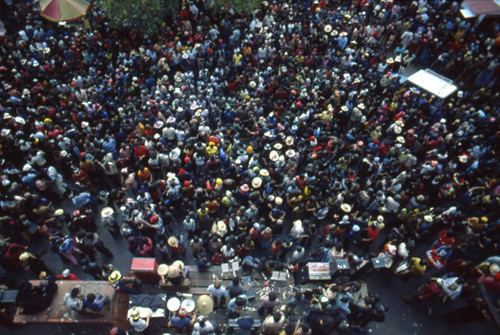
<point x="280" y="137"/>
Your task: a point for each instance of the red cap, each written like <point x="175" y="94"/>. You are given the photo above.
<point x="153" y="219"/>
<point x="186" y="183"/>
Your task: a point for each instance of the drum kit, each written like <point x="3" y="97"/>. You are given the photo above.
<point x="174" y="304"/>
<point x="204" y="304"/>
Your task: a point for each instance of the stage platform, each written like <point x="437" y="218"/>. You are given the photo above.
<point x="57" y="312"/>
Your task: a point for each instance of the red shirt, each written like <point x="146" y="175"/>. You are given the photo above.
<point x="71" y="277"/>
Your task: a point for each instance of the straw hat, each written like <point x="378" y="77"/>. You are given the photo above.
<point x="390" y="60"/>
<point x="205" y="304"/>
<point x="278" y="146"/>
<point x="343" y="33"/>
<point x="264" y="173"/>
<point x="244" y="188"/>
<point x="428" y="218"/>
<point x="361" y="106"/>
<point x="400" y="123"/>
<point x="24" y="256"/>
<point x="173" y="271"/>
<point x="173" y="242"/>
<point x="256" y="182"/>
<point x="278" y="200"/>
<point x="344" y="108"/>
<point x="346" y="208"/>
<point x="59" y="212"/>
<point x="107" y="212"/>
<point x="400" y="139"/>
<point x="397" y="129"/>
<point x="274" y="156"/>
<point x="289" y="141"/>
<point x="158" y="124"/>
<point x="290" y="153"/>
<point x="328" y="28"/>
<point x="178" y="264"/>
<point x="380" y="219"/>
<point x="162" y="269"/>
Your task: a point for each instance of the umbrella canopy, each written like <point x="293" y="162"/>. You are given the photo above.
<point x="63" y="10"/>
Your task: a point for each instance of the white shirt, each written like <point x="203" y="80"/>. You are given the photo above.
<point x="218" y="292"/>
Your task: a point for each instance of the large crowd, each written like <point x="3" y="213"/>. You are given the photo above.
<point x="280" y="137"/>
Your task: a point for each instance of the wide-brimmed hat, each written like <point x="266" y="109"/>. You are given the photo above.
<point x="205" y="304"/>
<point x="278" y="200"/>
<point x="173" y="242"/>
<point x="344" y="108"/>
<point x="59" y="212"/>
<point x="390" y="60"/>
<point x="244" y="188"/>
<point x="346" y="208"/>
<point x="400" y="139"/>
<point x="278" y="146"/>
<point x="361" y="106"/>
<point x="289" y="141"/>
<point x="328" y="28"/>
<point x="463" y="158"/>
<point x="256" y="182"/>
<point x="290" y="153"/>
<point x="107" y="212"/>
<point x="400" y="123"/>
<point x="274" y="156"/>
<point x="380" y="219"/>
<point x="428" y="218"/>
<point x="343" y="33"/>
<point x="397" y="129"/>
<point x="115" y="276"/>
<point x="162" y="269"/>
<point x="173" y="271"/>
<point x="264" y="172"/>
<point x="158" y="124"/>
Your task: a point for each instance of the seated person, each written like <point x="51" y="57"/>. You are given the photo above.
<point x="35" y="298"/>
<point x="182" y="320"/>
<point x="73" y="300"/>
<point x="177" y="274"/>
<point x="236" y="304"/>
<point x="95" y="302"/>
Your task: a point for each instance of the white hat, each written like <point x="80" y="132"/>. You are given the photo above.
<point x="256" y="182"/>
<point x="346" y="207"/>
<point x="397" y="129"/>
<point x="290" y="153"/>
<point x="328" y="28"/>
<point x="278" y="200"/>
<point x="428" y="218"/>
<point x="274" y="156"/>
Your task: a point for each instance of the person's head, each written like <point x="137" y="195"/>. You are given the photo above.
<point x="217" y="284"/>
<point x="276" y="316"/>
<point x="272" y="296"/>
<point x="75" y="291"/>
<point x="236" y="281"/>
<point x="91" y="297"/>
<point x="240" y="300"/>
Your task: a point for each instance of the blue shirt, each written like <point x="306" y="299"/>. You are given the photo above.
<point x="179" y="322"/>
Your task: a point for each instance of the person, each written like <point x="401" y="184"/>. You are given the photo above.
<point x="273" y="324"/>
<point x="117" y="331"/>
<point x="178" y="274"/>
<point x="182" y="322"/>
<point x="139" y="324"/>
<point x="203" y="326"/>
<point x="72" y="299"/>
<point x="95" y="302"/>
<point x="67" y="275"/>
<point x="218" y="293"/>
<point x="269" y="301"/>
<point x="235" y="289"/>
<point x="235" y="305"/>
